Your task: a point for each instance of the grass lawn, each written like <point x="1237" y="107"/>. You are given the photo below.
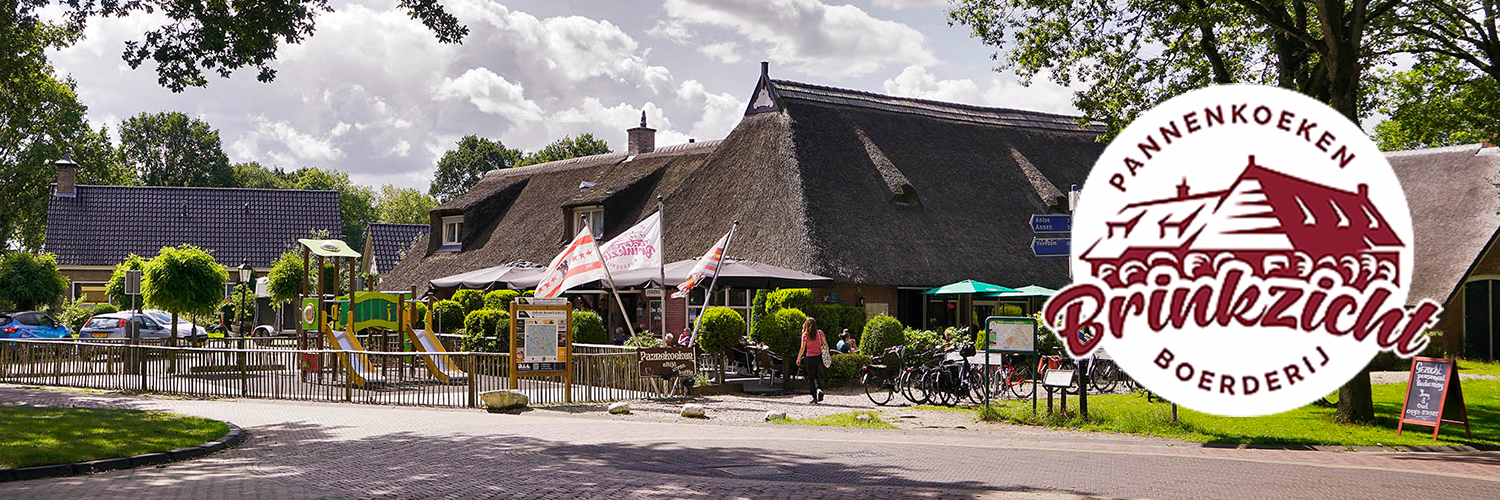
<point x="850" y="419"/>
<point x="32" y="435"/>
<point x="1309" y="425"/>
<point x="1478" y="367"/>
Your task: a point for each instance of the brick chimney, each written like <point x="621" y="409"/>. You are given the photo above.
<point x="641" y="139"/>
<point x="67" y="177"/>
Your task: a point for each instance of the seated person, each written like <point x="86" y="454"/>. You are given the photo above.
<point x="670" y="340"/>
<point x="620" y="336"/>
<point x="846" y="344"/>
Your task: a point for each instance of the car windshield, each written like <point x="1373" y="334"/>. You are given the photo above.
<point x="103" y="323"/>
<point x="161" y="317"/>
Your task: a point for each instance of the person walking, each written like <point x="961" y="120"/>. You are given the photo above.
<point x="810" y="357"/>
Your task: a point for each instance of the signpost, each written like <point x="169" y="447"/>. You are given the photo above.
<point x="1051" y="247"/>
<point x="1434" y="396"/>
<point x="541" y="343"/>
<point x="1051" y="223"/>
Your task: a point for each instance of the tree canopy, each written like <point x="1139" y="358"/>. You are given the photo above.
<point x="567" y="147"/>
<point x="115" y="290"/>
<point x="356" y="202"/>
<point x="31" y="281"/>
<point x="184" y="280"/>
<point x="174" y="149"/>
<point x="462" y="167"/>
<point x="403" y="205"/>
<point x="1439" y="102"/>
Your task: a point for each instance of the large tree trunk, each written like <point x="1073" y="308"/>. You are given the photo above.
<point x="1356" y="405"/>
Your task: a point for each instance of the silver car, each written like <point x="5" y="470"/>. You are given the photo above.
<point x="151" y="326"/>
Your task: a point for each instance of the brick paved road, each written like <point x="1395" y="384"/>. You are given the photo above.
<point x="319" y="450"/>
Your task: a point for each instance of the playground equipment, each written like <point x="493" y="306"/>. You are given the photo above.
<point x="336" y="322"/>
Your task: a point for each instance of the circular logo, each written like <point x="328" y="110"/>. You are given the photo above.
<point x="309" y="314"/>
<point x="1242" y="250"/>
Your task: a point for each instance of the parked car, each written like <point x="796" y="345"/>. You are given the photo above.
<point x="31" y="325"/>
<point x="185" y="329"/>
<point x="112" y="326"/>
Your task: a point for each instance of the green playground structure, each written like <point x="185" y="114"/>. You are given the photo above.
<point x="337" y="321"/>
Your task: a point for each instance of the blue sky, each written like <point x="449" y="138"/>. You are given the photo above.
<point x="373" y="94"/>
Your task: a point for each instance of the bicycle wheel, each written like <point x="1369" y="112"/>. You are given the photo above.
<point x="1020" y="382"/>
<point x="878" y="389"/>
<point x="975" y="387"/>
<point x="913" y="387"/>
<point x="936" y="392"/>
<point x="1104" y="377"/>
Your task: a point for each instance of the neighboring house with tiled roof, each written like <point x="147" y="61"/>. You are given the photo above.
<point x="386" y="243"/>
<point x="93" y="228"/>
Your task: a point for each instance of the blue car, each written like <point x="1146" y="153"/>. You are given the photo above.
<point x="31" y="325"/>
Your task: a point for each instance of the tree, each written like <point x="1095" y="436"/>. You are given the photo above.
<point x="588" y="328"/>
<point x="567" y="147"/>
<point x="1466" y="30"/>
<point x="115" y="290"/>
<point x="403" y="205"/>
<point x="781" y="331"/>
<point x="253" y="175"/>
<point x="462" y="167"/>
<point x="721" y="330"/>
<point x="284" y="281"/>
<point x="31" y="281"/>
<point x="1439" y="102"/>
<point x="174" y="149"/>
<point x="356" y="203"/>
<point x="184" y="280"/>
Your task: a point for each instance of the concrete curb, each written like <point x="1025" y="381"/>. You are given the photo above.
<point x="230" y="439"/>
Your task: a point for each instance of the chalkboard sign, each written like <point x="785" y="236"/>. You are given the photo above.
<point x="1433" y="396"/>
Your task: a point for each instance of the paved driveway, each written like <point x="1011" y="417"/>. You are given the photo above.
<point x="322" y="450"/>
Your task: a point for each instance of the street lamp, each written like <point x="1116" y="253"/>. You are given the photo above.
<point x="246" y="273"/>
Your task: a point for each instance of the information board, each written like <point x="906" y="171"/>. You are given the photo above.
<point x="1011" y="334"/>
<point x="667" y="362"/>
<point x="1434" y="396"/>
<point x="1058" y="377"/>
<point x="540" y="341"/>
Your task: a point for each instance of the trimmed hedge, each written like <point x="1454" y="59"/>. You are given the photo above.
<point x="758" y="307"/>
<point x="483" y="331"/>
<point x="781" y="331"/>
<point x="921" y="341"/>
<point x="449" y="316"/>
<point x="834" y="318"/>
<point x="471" y="300"/>
<point x="721" y="330"/>
<point x="500" y="300"/>
<point x="790" y="298"/>
<point x="588" y="328"/>
<point x="881" y="332"/>
<point x="420" y="321"/>
<point x="846" y="366"/>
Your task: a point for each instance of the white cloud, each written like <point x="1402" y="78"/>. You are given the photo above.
<point x="839" y="41"/>
<point x="491" y="93"/>
<point x="281" y="142"/>
<point x="721" y="112"/>
<point x="724" y="52"/>
<point x="671" y="30"/>
<point x="906" y="4"/>
<point x="574" y="47"/>
<point x="1042" y="95"/>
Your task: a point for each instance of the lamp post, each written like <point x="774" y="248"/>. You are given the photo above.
<point x="246" y="273"/>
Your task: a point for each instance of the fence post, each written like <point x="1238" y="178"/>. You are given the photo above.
<point x="57" y="366"/>
<point x="473" y="381"/>
<point x="140" y="356"/>
<point x="244" y="373"/>
<point x="348" y="386"/>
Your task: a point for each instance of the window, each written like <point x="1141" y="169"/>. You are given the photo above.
<point x="595" y="216"/>
<point x="90" y="292"/>
<point x="453" y="230"/>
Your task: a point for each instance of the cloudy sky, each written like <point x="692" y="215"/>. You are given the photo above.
<point x="372" y="93"/>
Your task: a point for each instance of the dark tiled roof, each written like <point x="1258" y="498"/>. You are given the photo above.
<point x="387" y="241"/>
<point x="102" y="225"/>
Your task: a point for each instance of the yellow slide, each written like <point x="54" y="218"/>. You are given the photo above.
<point x="436" y="358"/>
<point x="356" y="364"/>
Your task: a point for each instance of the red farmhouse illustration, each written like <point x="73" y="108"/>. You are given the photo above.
<point x="1279" y="224"/>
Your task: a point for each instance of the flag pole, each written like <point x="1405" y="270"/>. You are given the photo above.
<point x="719" y="269"/>
<point x="662" y="264"/>
<point x="605" y="264"/>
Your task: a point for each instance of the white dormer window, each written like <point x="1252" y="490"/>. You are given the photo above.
<point x="453" y="230"/>
<point x="595" y="215"/>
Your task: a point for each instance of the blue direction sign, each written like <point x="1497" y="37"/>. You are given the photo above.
<point x="1052" y="223"/>
<point x="1051" y="247"/>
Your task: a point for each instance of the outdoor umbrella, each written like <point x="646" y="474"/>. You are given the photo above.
<point x="968" y="287"/>
<point x="513" y="275"/>
<point x="734" y="273"/>
<point x="1024" y="292"/>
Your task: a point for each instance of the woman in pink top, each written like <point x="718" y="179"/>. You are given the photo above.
<point x="810" y="357"/>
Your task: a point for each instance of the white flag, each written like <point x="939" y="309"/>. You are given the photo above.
<point x="637" y="248"/>
<point x="576" y="265"/>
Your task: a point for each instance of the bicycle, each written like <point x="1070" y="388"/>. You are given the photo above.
<point x="881" y="381"/>
<point x="916" y="385"/>
<point x="1104" y="374"/>
<point x="1049" y="363"/>
<point x="1013" y="378"/>
<point x="954" y="378"/>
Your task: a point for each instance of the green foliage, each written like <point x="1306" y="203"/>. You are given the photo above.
<point x="1438" y="102"/>
<point x="255" y="176"/>
<point x="854" y="320"/>
<point x="644" y="340"/>
<point x="402" y="206"/>
<point x="31" y="281"/>
<point x="1047" y="343"/>
<point x="174" y="149"/>
<point x="789" y="298"/>
<point x="1011" y="310"/>
<point x="184" y="280"/>
<point x="758" y="307"/>
<point x="420" y="321"/>
<point x="356" y="203"/>
<point x="830" y="318"/>
<point x="500" y="300"/>
<point x="846" y="366"/>
<point x="115" y="290"/>
<point x="448" y="315"/>
<point x="285" y="278"/>
<point x="588" y="328"/>
<point x="720" y="330"/>
<point x="781" y="332"/>
<point x="881" y="332"/>
<point x="104" y="309"/>
<point x="75" y="314"/>
<point x="921" y="341"/>
<point x="485" y="331"/>
<point x="528" y="293"/>
<point x="472" y="300"/>
<point x="565" y="148"/>
<point x="242" y="303"/>
<point x="462" y="167"/>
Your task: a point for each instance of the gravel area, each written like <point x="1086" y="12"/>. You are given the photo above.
<point x="1402" y="377"/>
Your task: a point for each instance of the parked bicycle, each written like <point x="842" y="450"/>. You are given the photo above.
<point x="1010" y="377"/>
<point x="882" y="379"/>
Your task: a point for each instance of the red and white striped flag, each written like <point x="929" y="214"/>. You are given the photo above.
<point x="708" y="265"/>
<point x="576" y="265"/>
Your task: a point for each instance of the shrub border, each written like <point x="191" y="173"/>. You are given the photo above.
<point x="230" y="439"/>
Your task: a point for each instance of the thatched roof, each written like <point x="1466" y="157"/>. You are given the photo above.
<point x="1454" y="205"/>
<point x="859" y="187"/>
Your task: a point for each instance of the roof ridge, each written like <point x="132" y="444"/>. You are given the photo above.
<point x="557" y="165"/>
<point x="1444" y="149"/>
<point x="204" y="188"/>
<point x="947" y="104"/>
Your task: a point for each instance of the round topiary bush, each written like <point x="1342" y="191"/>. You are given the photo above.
<point x="782" y="332"/>
<point x="472" y="300"/>
<point x="588" y="328"/>
<point x="105" y="309"/>
<point x="500" y="300"/>
<point x="448" y="316"/>
<point x="854" y="320"/>
<point x="721" y="330"/>
<point x="790" y="298"/>
<point x="830" y="319"/>
<point x="881" y="332"/>
<point x="486" y="330"/>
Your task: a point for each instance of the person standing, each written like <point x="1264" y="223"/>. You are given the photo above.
<point x="810" y="357"/>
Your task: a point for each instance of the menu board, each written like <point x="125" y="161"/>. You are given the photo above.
<point x="1434" y="396"/>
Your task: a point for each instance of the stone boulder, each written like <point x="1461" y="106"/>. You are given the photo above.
<point x="694" y="410"/>
<point x="775" y="415"/>
<point x="619" y="408"/>
<point x="504" y="400"/>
